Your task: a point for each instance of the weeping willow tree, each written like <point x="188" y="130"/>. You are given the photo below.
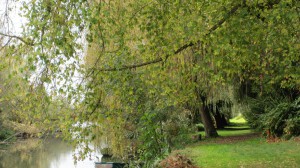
<point x="145" y="66"/>
<point x="15" y="102"/>
<point x="24" y="100"/>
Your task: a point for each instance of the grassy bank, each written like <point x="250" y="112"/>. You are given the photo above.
<point x="254" y="152"/>
<point x="239" y="146"/>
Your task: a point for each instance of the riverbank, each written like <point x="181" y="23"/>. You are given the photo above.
<point x="11" y="131"/>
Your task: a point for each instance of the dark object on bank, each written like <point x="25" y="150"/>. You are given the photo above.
<point x="109" y="165"/>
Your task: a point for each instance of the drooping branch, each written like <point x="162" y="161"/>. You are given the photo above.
<point x="182" y="48"/>
<point x="219" y="24"/>
<point x="149" y="62"/>
<point x="6" y="44"/>
<point x="17" y="37"/>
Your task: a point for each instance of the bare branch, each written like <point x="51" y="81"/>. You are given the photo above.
<point x="6" y="44"/>
<point x="18" y="38"/>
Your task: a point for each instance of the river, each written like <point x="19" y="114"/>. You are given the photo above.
<point x="50" y="153"/>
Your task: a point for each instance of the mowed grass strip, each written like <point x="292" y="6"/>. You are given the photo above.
<point x="233" y="131"/>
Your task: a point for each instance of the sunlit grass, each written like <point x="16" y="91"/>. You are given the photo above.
<point x="239" y="147"/>
<point x="238" y="119"/>
<point x="238" y="126"/>
<point x="249" y="153"/>
<point x="231" y="131"/>
<point x="226" y="132"/>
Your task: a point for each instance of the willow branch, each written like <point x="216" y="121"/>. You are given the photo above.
<point x="6" y="44"/>
<point x="18" y="38"/>
<point x="182" y="48"/>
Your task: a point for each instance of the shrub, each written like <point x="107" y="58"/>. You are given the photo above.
<point x="283" y="119"/>
<point x="200" y="127"/>
<point x="278" y="118"/>
<point x="292" y="127"/>
<point x="256" y="109"/>
<point x="178" y="161"/>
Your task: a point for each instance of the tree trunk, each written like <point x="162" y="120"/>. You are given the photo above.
<point x="210" y="129"/>
<point x="218" y="117"/>
<point x="224" y="120"/>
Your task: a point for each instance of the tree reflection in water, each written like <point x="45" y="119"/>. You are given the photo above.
<point x="50" y="153"/>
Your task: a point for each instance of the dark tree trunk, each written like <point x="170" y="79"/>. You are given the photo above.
<point x="218" y="117"/>
<point x="224" y="120"/>
<point x="210" y="129"/>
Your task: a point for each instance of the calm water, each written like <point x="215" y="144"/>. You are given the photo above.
<point x="52" y="153"/>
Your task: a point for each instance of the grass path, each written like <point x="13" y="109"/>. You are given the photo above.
<point x="240" y="147"/>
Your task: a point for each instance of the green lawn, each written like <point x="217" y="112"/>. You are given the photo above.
<point x="238" y="127"/>
<point x="249" y="153"/>
<point x="238" y="146"/>
<point x="238" y="120"/>
<point x="232" y="131"/>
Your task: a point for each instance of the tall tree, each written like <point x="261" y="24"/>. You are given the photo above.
<point x="179" y="51"/>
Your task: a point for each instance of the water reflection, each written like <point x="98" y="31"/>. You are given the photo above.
<point x="52" y="153"/>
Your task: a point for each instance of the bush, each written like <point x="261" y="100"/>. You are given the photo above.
<point x="178" y="161"/>
<point x="257" y="108"/>
<point x="278" y="118"/>
<point x="292" y="127"/>
<point x="200" y="127"/>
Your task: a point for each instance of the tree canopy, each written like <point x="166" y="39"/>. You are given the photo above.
<point x="140" y="71"/>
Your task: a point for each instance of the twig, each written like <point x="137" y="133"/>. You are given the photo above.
<point x="19" y="38"/>
<point x="8" y="41"/>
